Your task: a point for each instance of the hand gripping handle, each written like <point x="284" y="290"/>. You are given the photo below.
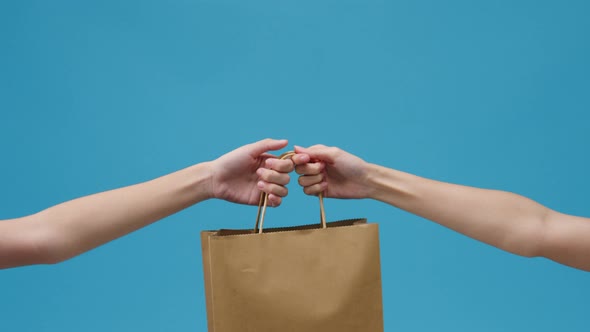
<point x="264" y="202"/>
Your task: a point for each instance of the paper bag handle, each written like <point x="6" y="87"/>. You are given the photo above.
<point x="264" y="202"/>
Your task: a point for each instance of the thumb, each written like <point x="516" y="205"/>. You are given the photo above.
<point x="318" y="152"/>
<point x="267" y="144"/>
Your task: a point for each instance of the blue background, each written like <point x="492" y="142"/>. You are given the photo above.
<point x="96" y="95"/>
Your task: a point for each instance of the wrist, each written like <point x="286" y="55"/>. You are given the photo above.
<point x="201" y="181"/>
<point x="373" y="181"/>
<point x="387" y="185"/>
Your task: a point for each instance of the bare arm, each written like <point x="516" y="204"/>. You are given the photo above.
<point x="505" y="220"/>
<point x="68" y="229"/>
<point x="76" y="226"/>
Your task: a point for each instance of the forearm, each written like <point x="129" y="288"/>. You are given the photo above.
<point x="502" y="219"/>
<point x="79" y="225"/>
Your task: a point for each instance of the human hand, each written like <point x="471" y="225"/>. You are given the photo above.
<point x="240" y="175"/>
<point x="336" y="173"/>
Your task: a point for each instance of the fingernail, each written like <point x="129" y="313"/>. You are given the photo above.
<point x="260" y="184"/>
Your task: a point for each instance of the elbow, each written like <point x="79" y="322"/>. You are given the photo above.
<point x="47" y="246"/>
<point x="528" y="238"/>
<point x="50" y="257"/>
<point x="527" y="247"/>
<point x="49" y="250"/>
<point x="29" y="241"/>
<point x="529" y="252"/>
<point x="533" y="236"/>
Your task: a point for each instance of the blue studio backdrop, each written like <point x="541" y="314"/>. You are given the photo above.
<point x="96" y="95"/>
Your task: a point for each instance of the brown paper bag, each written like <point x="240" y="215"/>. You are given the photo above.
<point x="312" y="278"/>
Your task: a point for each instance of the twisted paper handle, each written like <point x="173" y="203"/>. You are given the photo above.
<point x="264" y="202"/>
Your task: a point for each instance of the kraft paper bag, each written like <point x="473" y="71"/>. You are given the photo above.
<point x="323" y="277"/>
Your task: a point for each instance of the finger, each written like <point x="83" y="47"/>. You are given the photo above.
<point x="315" y="189"/>
<point x="271" y="188"/>
<point x="319" y="152"/>
<point x="310" y="168"/>
<point x="283" y="166"/>
<point x="309" y="180"/>
<point x="270" y="176"/>
<point x="268" y="144"/>
<point x="274" y="200"/>
<point x="301" y="158"/>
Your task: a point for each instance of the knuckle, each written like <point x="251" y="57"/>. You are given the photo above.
<point x="300" y="169"/>
<point x="286" y="166"/>
<point x="315" y="168"/>
<point x="264" y="174"/>
<point x="277" y="201"/>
